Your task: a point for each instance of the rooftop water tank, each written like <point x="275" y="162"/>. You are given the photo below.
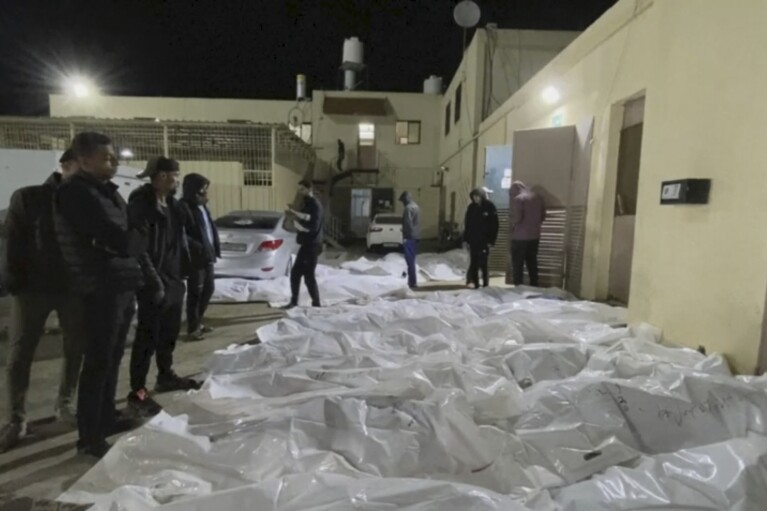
<point x="432" y="85"/>
<point x="353" y="54"/>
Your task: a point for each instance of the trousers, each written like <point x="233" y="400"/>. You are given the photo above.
<point x="107" y="318"/>
<point x="411" y="249"/>
<point x="478" y="255"/>
<point x="199" y="292"/>
<point x="525" y="253"/>
<point x="156" y="334"/>
<point x="304" y="267"/>
<point x="29" y="312"/>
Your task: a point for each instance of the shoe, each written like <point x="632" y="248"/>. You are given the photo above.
<point x="206" y="330"/>
<point x="174" y="382"/>
<point x="471" y="285"/>
<point x="316" y="304"/>
<point x="289" y="306"/>
<point x="66" y="415"/>
<point x="141" y="404"/>
<point x="197" y="335"/>
<point x="98" y="450"/>
<point x="11" y="435"/>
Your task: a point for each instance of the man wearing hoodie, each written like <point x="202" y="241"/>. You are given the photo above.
<point x="411" y="232"/>
<point x="480" y="233"/>
<point x="153" y="209"/>
<point x="528" y="212"/>
<point x="204" y="248"/>
<point x="36" y="277"/>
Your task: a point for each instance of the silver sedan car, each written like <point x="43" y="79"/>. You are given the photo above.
<point x="255" y="245"/>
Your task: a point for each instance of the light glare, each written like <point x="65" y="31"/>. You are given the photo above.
<point x="551" y="95"/>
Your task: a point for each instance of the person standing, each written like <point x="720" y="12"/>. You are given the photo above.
<point x="309" y="224"/>
<point x="100" y="253"/>
<point x="528" y="212"/>
<point x="480" y="234"/>
<point x="204" y="248"/>
<point x="152" y="208"/>
<point x="36" y="278"/>
<point x="411" y="231"/>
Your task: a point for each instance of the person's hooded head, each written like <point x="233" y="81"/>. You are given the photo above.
<point x="517" y="187"/>
<point x="478" y="195"/>
<point x="163" y="173"/>
<point x="406" y="198"/>
<point x="195" y="188"/>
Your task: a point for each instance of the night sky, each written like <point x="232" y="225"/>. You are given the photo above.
<point x="243" y="49"/>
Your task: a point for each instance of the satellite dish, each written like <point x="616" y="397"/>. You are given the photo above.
<point x="466" y="14"/>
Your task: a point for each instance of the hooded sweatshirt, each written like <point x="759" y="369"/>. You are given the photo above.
<point x="528" y="212"/>
<point x="411" y="224"/>
<point x="481" y="222"/>
<point x="202" y="235"/>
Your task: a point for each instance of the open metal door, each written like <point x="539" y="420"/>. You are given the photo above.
<point x="578" y="197"/>
<point x="543" y="160"/>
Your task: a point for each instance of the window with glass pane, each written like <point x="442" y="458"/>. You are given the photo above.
<point x="407" y="132"/>
<point x="447" y="119"/>
<point x="458" y="93"/>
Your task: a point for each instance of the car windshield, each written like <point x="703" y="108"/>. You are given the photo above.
<point x="388" y="220"/>
<point x="264" y="223"/>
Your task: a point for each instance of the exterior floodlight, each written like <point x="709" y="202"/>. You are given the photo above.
<point x="551" y="95"/>
<point x="80" y="87"/>
<point x="126" y="153"/>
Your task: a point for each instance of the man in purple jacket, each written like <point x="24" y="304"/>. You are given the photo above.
<point x="528" y="212"/>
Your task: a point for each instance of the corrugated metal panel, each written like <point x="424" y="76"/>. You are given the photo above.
<point x="500" y="255"/>
<point x="576" y="225"/>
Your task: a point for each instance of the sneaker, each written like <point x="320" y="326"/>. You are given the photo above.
<point x="173" y="382"/>
<point x="11" y="435"/>
<point x="141" y="404"/>
<point x="471" y="285"/>
<point x="289" y="306"/>
<point x="98" y="450"/>
<point x="206" y="329"/>
<point x="197" y="335"/>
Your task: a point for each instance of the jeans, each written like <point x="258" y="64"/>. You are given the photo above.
<point x="107" y="318"/>
<point x="199" y="292"/>
<point x="525" y="253"/>
<point x="156" y="334"/>
<point x="478" y="262"/>
<point x="306" y="263"/>
<point x="29" y="312"/>
<point x="411" y="248"/>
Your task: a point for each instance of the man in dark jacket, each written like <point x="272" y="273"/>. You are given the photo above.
<point x="153" y="209"/>
<point x="309" y="224"/>
<point x="101" y="257"/>
<point x="411" y="232"/>
<point x="36" y="277"/>
<point x="204" y="248"/>
<point x="480" y="229"/>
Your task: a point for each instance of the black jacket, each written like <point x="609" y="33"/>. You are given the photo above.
<point x="481" y="224"/>
<point x="167" y="253"/>
<point x="203" y="251"/>
<point x="99" y="250"/>
<point x="33" y="260"/>
<point x="310" y="232"/>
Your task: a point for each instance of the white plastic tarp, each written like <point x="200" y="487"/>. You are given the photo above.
<point x="477" y="400"/>
<point x="361" y="279"/>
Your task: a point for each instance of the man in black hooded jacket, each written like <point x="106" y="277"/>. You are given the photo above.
<point x="480" y="233"/>
<point x="153" y="210"/>
<point x="36" y="277"/>
<point x="204" y="248"/>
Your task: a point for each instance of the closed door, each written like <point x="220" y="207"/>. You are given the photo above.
<point x="366" y="147"/>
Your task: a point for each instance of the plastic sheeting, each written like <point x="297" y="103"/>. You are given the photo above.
<point x="361" y="279"/>
<point x="477" y="400"/>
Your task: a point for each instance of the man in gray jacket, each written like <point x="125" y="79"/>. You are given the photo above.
<point x="411" y="231"/>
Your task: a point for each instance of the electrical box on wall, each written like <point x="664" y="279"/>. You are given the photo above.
<point x="685" y="191"/>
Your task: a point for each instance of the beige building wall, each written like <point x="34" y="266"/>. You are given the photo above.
<point x="175" y="109"/>
<point x="699" y="272"/>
